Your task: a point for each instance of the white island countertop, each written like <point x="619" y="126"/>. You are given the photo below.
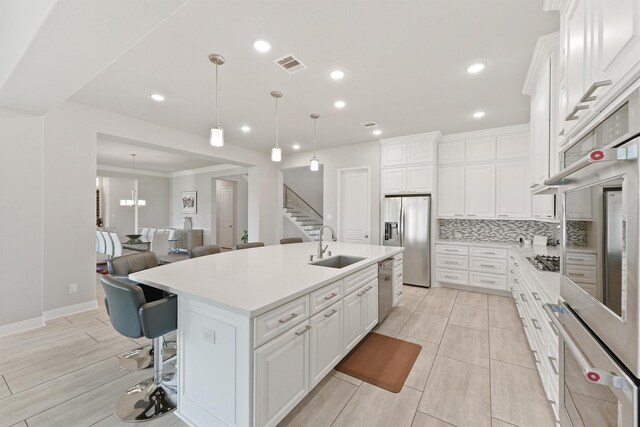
<point x="253" y="281"/>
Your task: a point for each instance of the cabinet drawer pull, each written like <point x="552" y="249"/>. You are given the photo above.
<point x="487" y="266"/>
<point x="302" y="332"/>
<point x="451" y="262"/>
<point x="368" y="288"/>
<point x="399" y="293"/>
<point x="577" y="274"/>
<point x="399" y="275"/>
<point x="516" y="281"/>
<point x="576" y="259"/>
<point x="536" y="296"/>
<point x="450" y="277"/>
<point x="535" y="356"/>
<point x="502" y="215"/>
<point x="561" y="133"/>
<point x="457" y="214"/>
<point x="536" y="324"/>
<point x="331" y="313"/>
<point x="491" y="282"/>
<point x="332" y="295"/>
<point x="516" y="264"/>
<point x="523" y="298"/>
<point x="588" y="95"/>
<point x="553" y="328"/>
<point x="471" y="214"/>
<point x="387" y="278"/>
<point x="451" y="250"/>
<point x="573" y="115"/>
<point x="553" y="365"/>
<point x="289" y="318"/>
<point x="512" y="272"/>
<point x="361" y="293"/>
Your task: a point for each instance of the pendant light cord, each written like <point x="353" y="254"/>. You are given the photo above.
<point x="276" y="122"/>
<point x="315" y="121"/>
<point x="217" y="122"/>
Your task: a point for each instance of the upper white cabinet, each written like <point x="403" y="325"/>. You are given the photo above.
<point x="512" y="198"/>
<point x="599" y="57"/>
<point x="480" y="149"/>
<point x="450" y="194"/>
<point x="512" y="146"/>
<point x="407" y="163"/>
<point x="579" y="204"/>
<point x="480" y="191"/>
<point x="451" y="152"/>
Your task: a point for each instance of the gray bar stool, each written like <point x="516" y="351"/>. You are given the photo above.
<point x="134" y="317"/>
<point x="205" y="250"/>
<point x="120" y="268"/>
<point x="290" y="240"/>
<point x="250" y="245"/>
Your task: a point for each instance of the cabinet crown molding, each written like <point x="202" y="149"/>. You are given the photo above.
<point x="559" y="5"/>
<point x="486" y="133"/>
<point x="435" y="136"/>
<point x="546" y="47"/>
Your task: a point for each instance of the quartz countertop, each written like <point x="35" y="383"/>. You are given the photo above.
<point x="547" y="280"/>
<point x="253" y="281"/>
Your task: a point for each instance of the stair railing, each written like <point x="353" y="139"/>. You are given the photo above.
<point x="297" y="204"/>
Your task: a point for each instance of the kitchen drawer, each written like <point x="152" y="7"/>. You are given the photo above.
<point x="487" y="280"/>
<point x="398" y="259"/>
<point x="452" y="261"/>
<point x="273" y="323"/>
<point x="592" y="289"/>
<point x="397" y="274"/>
<point x="582" y="274"/>
<point x="488" y="252"/>
<point x="488" y="265"/>
<point x="398" y="290"/>
<point x="325" y="296"/>
<point x="359" y="278"/>
<point x="452" y="250"/>
<point x="452" y="276"/>
<point x="576" y="258"/>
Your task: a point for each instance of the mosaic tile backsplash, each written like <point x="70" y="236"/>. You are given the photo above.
<point x="510" y="231"/>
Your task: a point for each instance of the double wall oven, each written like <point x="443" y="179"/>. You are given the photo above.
<point x="599" y="318"/>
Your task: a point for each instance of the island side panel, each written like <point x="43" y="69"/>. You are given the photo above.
<point x="214" y="365"/>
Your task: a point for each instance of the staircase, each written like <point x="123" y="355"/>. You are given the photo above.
<point x="301" y="214"/>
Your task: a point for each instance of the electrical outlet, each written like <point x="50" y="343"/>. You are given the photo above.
<point x="209" y="335"/>
<point x="73" y="288"/>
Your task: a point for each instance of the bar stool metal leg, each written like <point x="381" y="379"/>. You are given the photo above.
<point x="143" y="357"/>
<point x="151" y="398"/>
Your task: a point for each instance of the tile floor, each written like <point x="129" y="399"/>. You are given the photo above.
<point x="474" y="370"/>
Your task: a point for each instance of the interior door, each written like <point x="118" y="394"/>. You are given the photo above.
<point x="225" y="217"/>
<point x="354" y="206"/>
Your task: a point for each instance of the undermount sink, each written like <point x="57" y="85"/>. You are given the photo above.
<point x="338" y="261"/>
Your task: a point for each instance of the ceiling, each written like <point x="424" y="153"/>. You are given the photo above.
<point x="404" y="63"/>
<point x="117" y="152"/>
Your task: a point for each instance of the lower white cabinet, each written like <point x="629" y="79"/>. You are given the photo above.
<point x="326" y="342"/>
<point x="360" y="314"/>
<point x="477" y="266"/>
<point x="281" y="375"/>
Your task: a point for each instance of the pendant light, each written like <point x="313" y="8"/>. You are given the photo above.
<point x="217" y="133"/>
<point x="133" y="201"/>
<point x="276" y="151"/>
<point x="315" y="163"/>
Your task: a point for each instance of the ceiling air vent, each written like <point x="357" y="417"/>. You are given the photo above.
<point x="369" y="124"/>
<point x="290" y="64"/>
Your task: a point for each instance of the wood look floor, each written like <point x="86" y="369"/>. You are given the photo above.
<point x="474" y="370"/>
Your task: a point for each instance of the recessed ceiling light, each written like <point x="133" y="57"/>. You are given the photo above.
<point x="337" y="74"/>
<point x="262" y="45"/>
<point x="339" y="104"/>
<point x="478" y="114"/>
<point x="377" y="132"/>
<point x="296" y="146"/>
<point x="157" y="97"/>
<point x="476" y="67"/>
<point x="245" y="128"/>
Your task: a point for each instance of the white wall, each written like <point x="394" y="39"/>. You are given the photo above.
<point x="70" y="134"/>
<point x="20" y="218"/>
<point x="350" y="156"/>
<point x="306" y="184"/>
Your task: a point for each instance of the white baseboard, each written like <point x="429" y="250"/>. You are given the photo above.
<point x="24" y="325"/>
<point x="69" y="310"/>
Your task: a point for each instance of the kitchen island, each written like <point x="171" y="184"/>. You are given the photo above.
<point x="259" y="328"/>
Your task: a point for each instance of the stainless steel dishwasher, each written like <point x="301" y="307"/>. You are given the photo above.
<point x="385" y="288"/>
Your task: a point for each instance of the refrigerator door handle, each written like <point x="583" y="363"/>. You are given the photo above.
<point x="401" y="225"/>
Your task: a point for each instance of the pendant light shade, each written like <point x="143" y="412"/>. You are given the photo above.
<point x="315" y="163"/>
<point x="276" y="151"/>
<point x="217" y="133"/>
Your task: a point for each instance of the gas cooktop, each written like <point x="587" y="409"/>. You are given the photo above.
<point x="545" y="262"/>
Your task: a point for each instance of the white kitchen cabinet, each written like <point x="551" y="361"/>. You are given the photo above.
<point x="451" y="152"/>
<point x="370" y="303"/>
<point x="513" y="199"/>
<point x="394" y="180"/>
<point x="480" y="191"/>
<point x="281" y="375"/>
<point x="326" y="342"/>
<point x="451" y="191"/>
<point x="541" y="132"/>
<point x="352" y="326"/>
<point x="579" y="205"/>
<point x="616" y="42"/>
<point x="420" y="151"/>
<point x="480" y="149"/>
<point x="419" y="179"/>
<point x="543" y="207"/>
<point x="512" y="146"/>
<point x="575" y="51"/>
<point x="393" y="155"/>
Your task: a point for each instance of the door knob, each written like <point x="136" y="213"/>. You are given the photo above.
<point x="366" y="236"/>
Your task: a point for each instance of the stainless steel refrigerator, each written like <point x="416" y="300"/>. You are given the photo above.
<point x="407" y="223"/>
